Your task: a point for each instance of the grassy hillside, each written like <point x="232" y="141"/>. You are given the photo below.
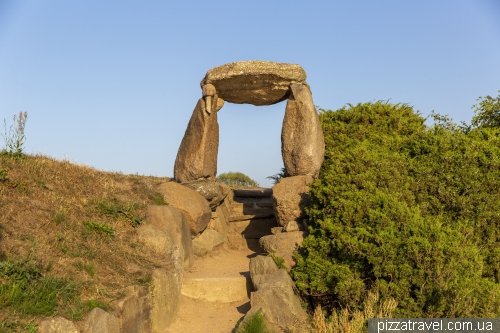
<point x="67" y="238"/>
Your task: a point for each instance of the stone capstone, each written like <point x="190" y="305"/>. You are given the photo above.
<point x="57" y="325"/>
<point x="209" y="240"/>
<point x="275" y="295"/>
<point x="197" y="154"/>
<point x="190" y="203"/>
<point x="165" y="227"/>
<point x="211" y="189"/>
<point x="302" y="140"/>
<point x="134" y="311"/>
<point x="254" y="82"/>
<point x="290" y="197"/>
<point x="283" y="245"/>
<point x="99" y="321"/>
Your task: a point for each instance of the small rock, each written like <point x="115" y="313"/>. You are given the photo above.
<point x="261" y="265"/>
<point x="293" y="226"/>
<point x="57" y="325"/>
<point x="276" y="230"/>
<point x="210" y="240"/>
<point x="283" y="245"/>
<point x="99" y="321"/>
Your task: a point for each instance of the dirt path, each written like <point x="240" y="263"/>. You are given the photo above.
<point x="201" y="316"/>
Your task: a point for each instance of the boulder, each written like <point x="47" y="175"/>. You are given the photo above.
<point x="283" y="245"/>
<point x="254" y="82"/>
<point x="57" y="325"/>
<point x="219" y="222"/>
<point x="133" y="311"/>
<point x="212" y="190"/>
<point x="166" y="286"/>
<point x="190" y="203"/>
<point x="259" y="266"/>
<point x="302" y="140"/>
<point x="99" y="321"/>
<point x="197" y="154"/>
<point x="290" y="197"/>
<point x="275" y="294"/>
<point x="209" y="240"/>
<point x="167" y="226"/>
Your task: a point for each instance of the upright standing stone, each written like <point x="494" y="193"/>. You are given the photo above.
<point x="302" y="141"/>
<point x="197" y="155"/>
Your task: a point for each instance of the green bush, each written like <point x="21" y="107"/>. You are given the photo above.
<point x="236" y="179"/>
<point x="407" y="210"/>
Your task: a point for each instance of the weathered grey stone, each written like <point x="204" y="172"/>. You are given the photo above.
<point x="254" y="82"/>
<point x="209" y="240"/>
<point x="302" y="140"/>
<point x="165" y="227"/>
<point x="99" y="321"/>
<point x="166" y="287"/>
<point x="197" y="154"/>
<point x="211" y="189"/>
<point x="261" y="265"/>
<point x="190" y="203"/>
<point x="134" y="311"/>
<point x="294" y="226"/>
<point x="208" y="90"/>
<point x="283" y="245"/>
<point x="276" y="230"/>
<point x="219" y="222"/>
<point x="57" y="325"/>
<point x="290" y="197"/>
<point x="275" y="293"/>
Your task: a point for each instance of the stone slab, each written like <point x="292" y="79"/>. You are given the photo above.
<point x="254" y="82"/>
<point x="224" y="290"/>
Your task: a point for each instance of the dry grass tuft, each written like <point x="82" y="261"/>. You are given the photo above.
<point x="345" y="321"/>
<point x="77" y="224"/>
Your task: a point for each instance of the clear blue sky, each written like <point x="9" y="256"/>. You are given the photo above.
<point x="112" y="84"/>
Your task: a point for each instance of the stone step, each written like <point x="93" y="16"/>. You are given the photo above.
<point x="252" y="228"/>
<point x="253" y="193"/>
<point x="218" y="289"/>
<point x="237" y="218"/>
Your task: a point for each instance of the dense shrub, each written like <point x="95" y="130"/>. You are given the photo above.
<point x="236" y="179"/>
<point x="407" y="210"/>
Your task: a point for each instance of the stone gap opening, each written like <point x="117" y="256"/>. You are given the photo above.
<point x="250" y="140"/>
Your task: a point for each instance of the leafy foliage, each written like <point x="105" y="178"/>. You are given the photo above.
<point x="406" y="210"/>
<point x="236" y="179"/>
<point x="487" y="112"/>
<point x="276" y="177"/>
